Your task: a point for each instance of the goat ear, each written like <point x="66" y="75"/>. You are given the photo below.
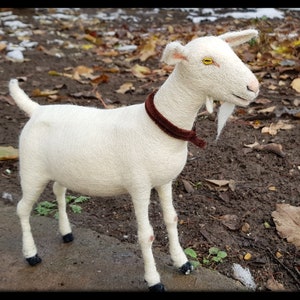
<point x="236" y="38"/>
<point x="174" y="53"/>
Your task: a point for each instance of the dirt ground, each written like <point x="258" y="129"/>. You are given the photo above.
<point x="249" y="181"/>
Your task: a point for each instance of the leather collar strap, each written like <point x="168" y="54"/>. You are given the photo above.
<point x="168" y="127"/>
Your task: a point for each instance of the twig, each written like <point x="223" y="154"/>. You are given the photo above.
<point x="286" y="268"/>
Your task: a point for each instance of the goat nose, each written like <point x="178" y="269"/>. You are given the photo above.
<point x="253" y="86"/>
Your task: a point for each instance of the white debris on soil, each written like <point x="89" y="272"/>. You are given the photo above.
<point x="15" y="55"/>
<point x="244" y="276"/>
<point x="196" y="15"/>
<point x="15" y="24"/>
<point x="7" y="196"/>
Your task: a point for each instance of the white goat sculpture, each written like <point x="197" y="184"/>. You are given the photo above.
<point x="133" y="149"/>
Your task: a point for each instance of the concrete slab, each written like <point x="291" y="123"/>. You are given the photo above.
<point x="92" y="262"/>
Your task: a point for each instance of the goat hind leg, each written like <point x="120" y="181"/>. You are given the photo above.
<point x="31" y="194"/>
<point x="64" y="224"/>
<point x="171" y="220"/>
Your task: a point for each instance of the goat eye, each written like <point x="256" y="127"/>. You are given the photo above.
<point x="207" y="61"/>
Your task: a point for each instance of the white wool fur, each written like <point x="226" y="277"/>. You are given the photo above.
<point x="101" y="152"/>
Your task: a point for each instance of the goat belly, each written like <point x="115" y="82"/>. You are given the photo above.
<point x="88" y="152"/>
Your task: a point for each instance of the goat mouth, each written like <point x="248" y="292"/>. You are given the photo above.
<point x="245" y="101"/>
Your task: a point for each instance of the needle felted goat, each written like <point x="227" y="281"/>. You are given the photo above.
<point x="133" y="149"/>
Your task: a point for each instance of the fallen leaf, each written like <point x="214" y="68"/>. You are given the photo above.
<point x="232" y="222"/>
<point x="272" y="87"/>
<point x="126" y="87"/>
<point x="95" y="40"/>
<point x="2" y="46"/>
<point x="103" y="78"/>
<point x="55" y="73"/>
<point x="267" y="110"/>
<point x="222" y="184"/>
<point x="188" y="186"/>
<point x="269" y="129"/>
<point x="218" y="182"/>
<point x="7" y="99"/>
<point x="271" y="147"/>
<point x="52" y="52"/>
<point x="275" y="127"/>
<point x="43" y="93"/>
<point x="82" y="71"/>
<point x="255" y="144"/>
<point x="140" y="71"/>
<point x="256" y="124"/>
<point x="8" y="152"/>
<point x="87" y="46"/>
<point x="274" y="285"/>
<point x="262" y="101"/>
<point x="296" y="84"/>
<point x="287" y="220"/>
<point x="148" y="49"/>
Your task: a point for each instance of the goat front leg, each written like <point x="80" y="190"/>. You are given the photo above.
<point x="171" y="220"/>
<point x="141" y="202"/>
<point x="63" y="220"/>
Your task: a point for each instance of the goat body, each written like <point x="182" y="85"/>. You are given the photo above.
<point x="100" y="152"/>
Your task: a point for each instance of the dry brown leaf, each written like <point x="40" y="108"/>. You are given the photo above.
<point x="7" y="99"/>
<point x="218" y="182"/>
<point x="262" y="101"/>
<point x="188" y="186"/>
<point x="55" y="73"/>
<point x="8" y="152"/>
<point x="274" y="127"/>
<point x="256" y="124"/>
<point x="148" y="49"/>
<point x="296" y="84"/>
<point x="287" y="220"/>
<point x="140" y="71"/>
<point x="43" y="93"/>
<point x="267" y="110"/>
<point x="103" y="78"/>
<point x="109" y="52"/>
<point x="274" y="285"/>
<point x="271" y="147"/>
<point x="2" y="46"/>
<point x="82" y="71"/>
<point x="126" y="87"/>
<point x="222" y="185"/>
<point x="232" y="222"/>
<point x="52" y="52"/>
<point x="272" y="87"/>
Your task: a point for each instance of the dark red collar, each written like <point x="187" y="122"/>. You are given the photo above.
<point x="168" y="127"/>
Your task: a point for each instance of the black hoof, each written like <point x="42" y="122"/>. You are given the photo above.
<point x="34" y="260"/>
<point x="68" y="238"/>
<point x="187" y="268"/>
<point x="159" y="287"/>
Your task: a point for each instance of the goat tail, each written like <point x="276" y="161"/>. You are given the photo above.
<point x="20" y="97"/>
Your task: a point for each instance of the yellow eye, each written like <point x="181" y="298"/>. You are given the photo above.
<point x="207" y="60"/>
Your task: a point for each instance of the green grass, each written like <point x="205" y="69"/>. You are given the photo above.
<point x="215" y="255"/>
<point x="47" y="208"/>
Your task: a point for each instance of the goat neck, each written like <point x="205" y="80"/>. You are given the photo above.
<point x="177" y="103"/>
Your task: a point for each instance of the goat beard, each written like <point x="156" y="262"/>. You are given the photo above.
<point x="225" y="111"/>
